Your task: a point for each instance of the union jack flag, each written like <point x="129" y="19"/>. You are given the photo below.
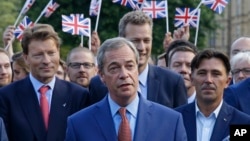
<point x="27" y="6"/>
<point x="76" y="24"/>
<point x="189" y="16"/>
<point x="155" y="9"/>
<point x="94" y="7"/>
<point x="25" y="23"/>
<point x="128" y="3"/>
<point x="50" y="8"/>
<point x="216" y="5"/>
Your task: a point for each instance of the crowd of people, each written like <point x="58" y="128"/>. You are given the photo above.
<point x="114" y="92"/>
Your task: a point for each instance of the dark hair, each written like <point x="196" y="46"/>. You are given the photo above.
<point x="179" y="45"/>
<point x="208" y="54"/>
<point x="39" y="32"/>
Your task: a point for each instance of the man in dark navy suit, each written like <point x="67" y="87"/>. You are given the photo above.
<point x="29" y="113"/>
<point x="209" y="117"/>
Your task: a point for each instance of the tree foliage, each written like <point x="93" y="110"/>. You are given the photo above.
<point x="109" y="19"/>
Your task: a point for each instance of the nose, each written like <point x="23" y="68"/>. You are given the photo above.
<point x="140" y="45"/>
<point x="241" y="75"/>
<point x="82" y="68"/>
<point x="184" y="69"/>
<point x="208" y="78"/>
<point x="46" y="58"/>
<point x="3" y="70"/>
<point x="123" y="73"/>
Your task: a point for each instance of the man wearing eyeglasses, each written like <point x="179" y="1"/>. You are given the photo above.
<point x="81" y="66"/>
<point x="240" y="65"/>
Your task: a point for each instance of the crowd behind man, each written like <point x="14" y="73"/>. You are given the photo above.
<point x="118" y="75"/>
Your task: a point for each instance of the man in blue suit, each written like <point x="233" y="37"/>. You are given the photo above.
<point x="209" y="117"/>
<point x="238" y="96"/>
<point x="28" y="113"/>
<point x="118" y="68"/>
<point x="157" y="84"/>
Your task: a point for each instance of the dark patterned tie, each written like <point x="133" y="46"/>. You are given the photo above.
<point x="124" y="133"/>
<point x="44" y="105"/>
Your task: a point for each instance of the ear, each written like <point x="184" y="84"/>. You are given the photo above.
<point x="102" y="76"/>
<point x="229" y="78"/>
<point x="191" y="79"/>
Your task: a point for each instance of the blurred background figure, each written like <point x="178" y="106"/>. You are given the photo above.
<point x="81" y="66"/>
<point x="20" y="68"/>
<point x="62" y="72"/>
<point x="5" y="68"/>
<point x="240" y="66"/>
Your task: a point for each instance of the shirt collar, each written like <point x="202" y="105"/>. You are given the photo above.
<point x="37" y="84"/>
<point x="215" y="112"/>
<point x="132" y="107"/>
<point x="144" y="76"/>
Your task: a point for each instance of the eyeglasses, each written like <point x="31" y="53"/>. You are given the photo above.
<point x="245" y="71"/>
<point x="86" y="65"/>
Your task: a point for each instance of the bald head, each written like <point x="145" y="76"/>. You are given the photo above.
<point x="240" y="44"/>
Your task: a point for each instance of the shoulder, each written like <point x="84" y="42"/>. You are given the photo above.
<point x="163" y="72"/>
<point x="185" y="107"/>
<point x="161" y="110"/>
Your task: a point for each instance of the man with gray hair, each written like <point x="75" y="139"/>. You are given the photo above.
<point x="240" y="66"/>
<point x="123" y="106"/>
<point x="156" y="84"/>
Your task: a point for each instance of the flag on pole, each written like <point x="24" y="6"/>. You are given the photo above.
<point x="76" y="24"/>
<point x="128" y="3"/>
<point x="216" y="5"/>
<point x="183" y="16"/>
<point x="50" y="8"/>
<point x="27" y="6"/>
<point x="155" y="9"/>
<point x="94" y="7"/>
<point x="25" y="23"/>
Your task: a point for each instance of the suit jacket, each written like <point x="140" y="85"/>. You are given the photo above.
<point x="20" y="110"/>
<point x="227" y="116"/>
<point x="238" y="96"/>
<point x="164" y="87"/>
<point x="95" y="123"/>
<point x="3" y="134"/>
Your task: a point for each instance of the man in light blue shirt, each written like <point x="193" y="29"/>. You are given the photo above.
<point x="209" y="117"/>
<point x="117" y="63"/>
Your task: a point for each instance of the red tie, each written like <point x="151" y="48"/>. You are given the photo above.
<point x="44" y="105"/>
<point x="124" y="133"/>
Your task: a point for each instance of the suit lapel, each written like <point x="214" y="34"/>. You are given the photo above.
<point x="152" y="84"/>
<point x="143" y="120"/>
<point x="222" y="120"/>
<point x="190" y="122"/>
<point x="104" y="119"/>
<point x="29" y="103"/>
<point x="58" y="110"/>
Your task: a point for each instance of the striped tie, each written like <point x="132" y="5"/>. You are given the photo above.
<point x="124" y="133"/>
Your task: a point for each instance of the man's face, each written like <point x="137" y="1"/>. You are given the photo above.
<point x="120" y="74"/>
<point x="5" y="70"/>
<point x="141" y="36"/>
<point x="210" y="79"/>
<point x="180" y="63"/>
<point x="81" y="74"/>
<point x="241" y="70"/>
<point x="43" y="59"/>
<point x="60" y="72"/>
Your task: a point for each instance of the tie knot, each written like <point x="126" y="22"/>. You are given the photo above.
<point x="43" y="89"/>
<point x="122" y="112"/>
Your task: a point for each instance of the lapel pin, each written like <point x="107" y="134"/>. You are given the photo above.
<point x="64" y="105"/>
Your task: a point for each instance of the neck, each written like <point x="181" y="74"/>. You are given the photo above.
<point x="190" y="91"/>
<point x="207" y="108"/>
